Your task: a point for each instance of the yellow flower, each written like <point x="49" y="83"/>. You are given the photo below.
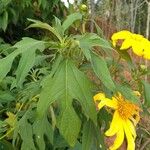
<point x="122" y="35"/>
<point x="125" y="118"/>
<point x="139" y="44"/>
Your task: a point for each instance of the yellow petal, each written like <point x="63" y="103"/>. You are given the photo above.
<point x="137" y="37"/>
<point x="130" y="139"/>
<point x="138" y="48"/>
<point x="131" y="128"/>
<point x="136" y="119"/>
<point x="99" y="96"/>
<point x="113" y="127"/>
<point x="126" y="44"/>
<point x="119" y="138"/>
<point x="146" y="52"/>
<point x="121" y="35"/>
<point x="107" y="102"/>
<point x="114" y="42"/>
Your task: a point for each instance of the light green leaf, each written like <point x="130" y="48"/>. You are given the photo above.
<point x="58" y="26"/>
<point x="27" y="47"/>
<point x="70" y="20"/>
<point x="27" y="44"/>
<point x="5" y="65"/>
<point x="4" y="20"/>
<point x="39" y="24"/>
<point x="146" y="86"/>
<point x="25" y="64"/>
<point x="101" y="70"/>
<point x="6" y="96"/>
<point x="89" y="40"/>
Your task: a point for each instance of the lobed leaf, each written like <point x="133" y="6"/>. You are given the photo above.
<point x="68" y="83"/>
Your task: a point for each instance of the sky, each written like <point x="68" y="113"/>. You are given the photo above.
<point x="70" y="1"/>
<point x="66" y="3"/>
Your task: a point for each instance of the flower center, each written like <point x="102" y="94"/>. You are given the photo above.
<point x="126" y="109"/>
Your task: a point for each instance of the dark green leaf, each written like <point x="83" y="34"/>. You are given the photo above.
<point x="24" y="129"/>
<point x="69" y="123"/>
<point x="68" y="83"/>
<point x="77" y="83"/>
<point x="101" y="70"/>
<point x="91" y="138"/>
<point x="42" y="127"/>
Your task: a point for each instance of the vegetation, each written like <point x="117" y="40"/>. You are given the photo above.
<point x="58" y="70"/>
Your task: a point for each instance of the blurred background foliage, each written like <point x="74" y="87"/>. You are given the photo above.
<point x="111" y="15"/>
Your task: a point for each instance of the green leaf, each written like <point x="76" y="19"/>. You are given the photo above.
<point x="4" y="20"/>
<point x="41" y="128"/>
<point x="24" y="129"/>
<point x="68" y="83"/>
<point x="6" y="96"/>
<point x="78" y="146"/>
<point x="79" y="88"/>
<point x="5" y="65"/>
<point x="89" y="40"/>
<point x="25" y="64"/>
<point x="87" y="136"/>
<point x="5" y="145"/>
<point x="39" y="24"/>
<point x="27" y="47"/>
<point x="146" y="86"/>
<point x="69" y="123"/>
<point x="58" y="26"/>
<point x="70" y="20"/>
<point x="128" y="93"/>
<point x="27" y="44"/>
<point x="91" y="138"/>
<point x="100" y="68"/>
<point x="125" y="55"/>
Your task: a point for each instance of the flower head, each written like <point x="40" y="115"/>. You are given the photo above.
<point x="125" y="118"/>
<point x="139" y="44"/>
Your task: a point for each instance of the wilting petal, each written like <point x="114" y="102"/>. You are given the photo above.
<point x="130" y="139"/>
<point x="113" y="127"/>
<point x="119" y="138"/>
<point x="131" y="128"/>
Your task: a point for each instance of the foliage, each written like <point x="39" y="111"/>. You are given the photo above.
<point x="14" y="14"/>
<point x="46" y="94"/>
